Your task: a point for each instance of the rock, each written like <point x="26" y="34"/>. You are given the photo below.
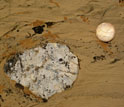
<point x="38" y="29"/>
<point x="44" y="70"/>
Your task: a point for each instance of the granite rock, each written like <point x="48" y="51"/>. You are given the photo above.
<point x="44" y="70"/>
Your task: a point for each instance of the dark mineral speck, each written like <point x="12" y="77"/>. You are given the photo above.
<point x="68" y="86"/>
<point x="60" y="59"/>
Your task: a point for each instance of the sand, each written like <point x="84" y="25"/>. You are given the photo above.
<point x="100" y="81"/>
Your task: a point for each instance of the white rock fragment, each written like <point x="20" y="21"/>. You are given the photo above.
<point x="45" y="71"/>
<point x="105" y="32"/>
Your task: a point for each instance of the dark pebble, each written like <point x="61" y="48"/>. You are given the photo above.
<point x="96" y="58"/>
<point x="114" y="61"/>
<point x="49" y="24"/>
<point x="38" y="29"/>
<point x="17" y="30"/>
<point x="1" y="98"/>
<point x="45" y="100"/>
<point x="17" y="85"/>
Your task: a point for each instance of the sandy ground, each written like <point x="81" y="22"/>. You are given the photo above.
<point x="100" y="82"/>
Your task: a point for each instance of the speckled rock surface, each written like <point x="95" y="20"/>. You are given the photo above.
<point x="44" y="70"/>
